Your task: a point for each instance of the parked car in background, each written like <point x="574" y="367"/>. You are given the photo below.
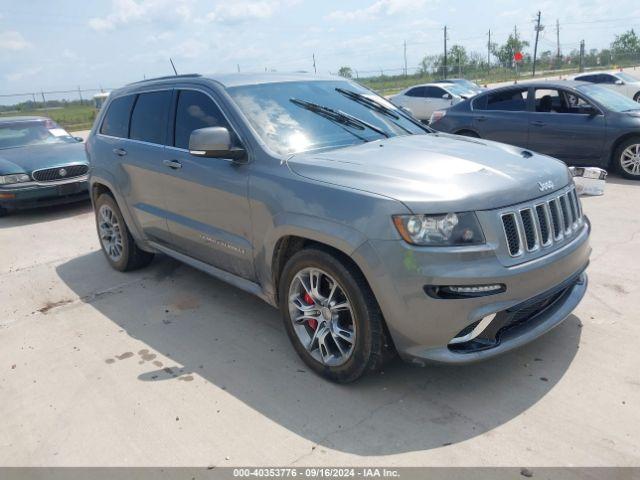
<point x="464" y="83"/>
<point x="368" y="230"/>
<point x="580" y="123"/>
<point x="40" y="164"/>
<point x="423" y="100"/>
<point x="620" y="82"/>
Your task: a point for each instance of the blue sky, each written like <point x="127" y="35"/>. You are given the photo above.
<point x="47" y="45"/>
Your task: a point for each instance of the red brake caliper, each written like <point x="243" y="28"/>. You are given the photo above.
<point x="312" y="322"/>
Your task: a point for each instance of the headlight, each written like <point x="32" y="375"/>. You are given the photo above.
<point x="440" y="230"/>
<point x="17" y="178"/>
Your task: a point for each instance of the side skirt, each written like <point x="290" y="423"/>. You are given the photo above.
<point x="238" y="282"/>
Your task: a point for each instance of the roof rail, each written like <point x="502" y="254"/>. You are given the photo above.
<point x="167" y="77"/>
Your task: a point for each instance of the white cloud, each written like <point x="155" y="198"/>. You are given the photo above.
<point x="21" y="74"/>
<point x="379" y="8"/>
<point x="131" y="11"/>
<point x="237" y="12"/>
<point x="12" y="40"/>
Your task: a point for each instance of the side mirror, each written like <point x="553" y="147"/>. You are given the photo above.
<point x="619" y="82"/>
<point x="447" y="96"/>
<point x="79" y="139"/>
<point x="215" y="142"/>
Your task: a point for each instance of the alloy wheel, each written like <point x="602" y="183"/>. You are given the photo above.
<point x="322" y="316"/>
<point x="630" y="159"/>
<point x="110" y="232"/>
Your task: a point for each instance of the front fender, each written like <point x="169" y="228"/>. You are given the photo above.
<point x="337" y="235"/>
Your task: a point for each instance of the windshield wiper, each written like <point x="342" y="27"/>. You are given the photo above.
<point x="370" y="103"/>
<point x="373" y="105"/>
<point x="337" y="116"/>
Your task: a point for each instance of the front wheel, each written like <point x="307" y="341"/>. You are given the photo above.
<point x="331" y="316"/>
<point x="627" y="158"/>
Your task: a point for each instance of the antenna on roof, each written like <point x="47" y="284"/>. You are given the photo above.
<point x="173" y="66"/>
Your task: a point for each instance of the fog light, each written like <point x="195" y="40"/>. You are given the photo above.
<point x="475" y="289"/>
<point x="464" y="291"/>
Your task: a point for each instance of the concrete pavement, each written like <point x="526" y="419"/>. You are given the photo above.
<point x="167" y="366"/>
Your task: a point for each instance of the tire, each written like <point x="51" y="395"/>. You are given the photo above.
<point x="636" y="97"/>
<point x="468" y="133"/>
<point x="626" y="158"/>
<point x="117" y="244"/>
<point x="362" y="320"/>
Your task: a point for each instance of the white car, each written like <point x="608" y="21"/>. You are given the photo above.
<point x="423" y="100"/>
<point x="620" y="82"/>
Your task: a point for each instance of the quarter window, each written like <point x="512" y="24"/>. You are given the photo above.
<point x="149" y="118"/>
<point x="116" y="121"/>
<point x="195" y="110"/>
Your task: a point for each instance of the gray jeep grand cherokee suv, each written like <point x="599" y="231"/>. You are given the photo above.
<point x="370" y="232"/>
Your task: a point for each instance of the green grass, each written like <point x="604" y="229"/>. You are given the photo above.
<point x="71" y="117"/>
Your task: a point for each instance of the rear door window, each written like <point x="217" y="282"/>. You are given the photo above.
<point x="416" y="92"/>
<point x="195" y="110"/>
<point x="506" y="100"/>
<point x="149" y="118"/>
<point x="116" y="121"/>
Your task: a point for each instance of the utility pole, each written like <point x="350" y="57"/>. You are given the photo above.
<point x="582" y="56"/>
<point x="489" y="52"/>
<point x="80" y="95"/>
<point x="558" y="55"/>
<point x="405" y="58"/>
<point x="539" y="28"/>
<point x="445" y="53"/>
<point x="315" y="70"/>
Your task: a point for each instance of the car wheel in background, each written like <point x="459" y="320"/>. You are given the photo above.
<point x="627" y="158"/>
<point x="331" y="316"/>
<point x="468" y="133"/>
<point x="116" y="241"/>
<point x="636" y="97"/>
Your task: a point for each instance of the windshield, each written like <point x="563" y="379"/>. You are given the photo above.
<point x="459" y="89"/>
<point x="609" y="99"/>
<point x="626" y="77"/>
<point x="282" y="116"/>
<point x="32" y="132"/>
<point x="467" y="84"/>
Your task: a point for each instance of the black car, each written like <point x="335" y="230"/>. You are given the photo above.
<point x="580" y="123"/>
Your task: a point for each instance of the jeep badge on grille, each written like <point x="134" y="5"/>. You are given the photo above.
<point x="62" y="172"/>
<point x="544" y="186"/>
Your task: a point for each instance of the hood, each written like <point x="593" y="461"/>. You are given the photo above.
<point x="34" y="157"/>
<point x="437" y="173"/>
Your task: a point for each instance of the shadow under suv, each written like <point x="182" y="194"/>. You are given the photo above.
<point x="371" y="232"/>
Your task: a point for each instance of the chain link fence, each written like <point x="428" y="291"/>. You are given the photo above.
<point x="73" y="109"/>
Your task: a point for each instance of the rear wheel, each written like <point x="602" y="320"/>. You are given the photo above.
<point x="116" y="241"/>
<point x="627" y="158"/>
<point x="331" y="316"/>
<point x="636" y="97"/>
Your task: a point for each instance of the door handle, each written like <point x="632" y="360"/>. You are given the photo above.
<point x="538" y="123"/>
<point x="172" y="164"/>
<point x="480" y="119"/>
<point x="121" y="152"/>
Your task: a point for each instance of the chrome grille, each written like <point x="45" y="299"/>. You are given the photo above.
<point x="549" y="221"/>
<point x="59" y="173"/>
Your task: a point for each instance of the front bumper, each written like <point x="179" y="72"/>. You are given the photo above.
<point x="44" y="194"/>
<point x="422" y="327"/>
